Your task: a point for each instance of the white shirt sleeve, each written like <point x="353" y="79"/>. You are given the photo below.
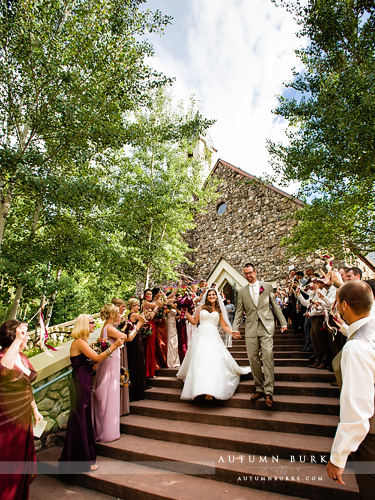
<point x="356" y="399"/>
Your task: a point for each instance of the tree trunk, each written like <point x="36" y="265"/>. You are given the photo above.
<point x="51" y="302"/>
<point x="5" y="203"/>
<point x="16" y="302"/>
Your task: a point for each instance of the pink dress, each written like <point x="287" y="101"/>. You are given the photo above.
<point x="106" y="398"/>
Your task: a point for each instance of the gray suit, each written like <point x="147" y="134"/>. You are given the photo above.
<point x="259" y="330"/>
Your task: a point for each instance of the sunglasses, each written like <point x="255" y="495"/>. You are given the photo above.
<point x="91" y="322"/>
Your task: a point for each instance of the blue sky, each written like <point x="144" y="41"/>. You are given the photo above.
<point x="233" y="56"/>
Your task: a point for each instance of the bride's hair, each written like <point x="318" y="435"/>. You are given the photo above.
<point x="207" y="305"/>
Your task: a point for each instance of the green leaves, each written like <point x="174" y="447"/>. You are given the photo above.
<point x="331" y="146"/>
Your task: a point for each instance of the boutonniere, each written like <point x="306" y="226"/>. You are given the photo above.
<point x="261" y="289"/>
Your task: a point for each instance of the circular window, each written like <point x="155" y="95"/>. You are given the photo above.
<point x="221" y="208"/>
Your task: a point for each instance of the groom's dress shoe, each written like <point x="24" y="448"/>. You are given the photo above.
<point x="269" y="400"/>
<point x="257" y="395"/>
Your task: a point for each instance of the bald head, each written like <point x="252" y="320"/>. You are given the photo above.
<point x="357" y="295"/>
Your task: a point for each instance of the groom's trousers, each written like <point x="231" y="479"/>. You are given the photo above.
<point x="262" y="342"/>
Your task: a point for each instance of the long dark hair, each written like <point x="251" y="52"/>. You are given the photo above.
<point x="207" y="305"/>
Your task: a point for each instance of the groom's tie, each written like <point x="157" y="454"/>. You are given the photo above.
<point x="253" y="294"/>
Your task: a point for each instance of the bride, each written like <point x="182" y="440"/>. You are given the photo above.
<point x="208" y="367"/>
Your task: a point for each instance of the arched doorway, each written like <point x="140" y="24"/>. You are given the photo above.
<point x="228" y="291"/>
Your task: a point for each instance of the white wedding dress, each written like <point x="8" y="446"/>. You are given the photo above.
<point x="208" y="367"/>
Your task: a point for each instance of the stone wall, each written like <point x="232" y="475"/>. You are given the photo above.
<point x="54" y="404"/>
<point x="250" y="230"/>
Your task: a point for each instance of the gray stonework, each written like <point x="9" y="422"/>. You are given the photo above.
<point x="54" y="402"/>
<point x="256" y="219"/>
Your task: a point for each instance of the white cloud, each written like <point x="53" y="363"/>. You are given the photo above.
<point x="234" y="56"/>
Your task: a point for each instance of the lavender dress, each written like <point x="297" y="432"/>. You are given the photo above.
<point x="106" y="397"/>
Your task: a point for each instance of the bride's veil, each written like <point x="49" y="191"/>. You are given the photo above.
<point x="221" y="304"/>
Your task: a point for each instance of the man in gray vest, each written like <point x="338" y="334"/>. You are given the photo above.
<point x="256" y="300"/>
<point x="356" y="430"/>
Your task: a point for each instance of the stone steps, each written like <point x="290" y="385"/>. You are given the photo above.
<point x="289" y="373"/>
<point x="257" y="418"/>
<point x="303" y="404"/>
<point x="315" y="389"/>
<point x="235" y="449"/>
<point x="237" y="440"/>
<point x="144" y="481"/>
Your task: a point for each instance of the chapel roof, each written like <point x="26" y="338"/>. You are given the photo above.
<point x="252" y="177"/>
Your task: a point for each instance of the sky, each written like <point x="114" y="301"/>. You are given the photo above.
<point x="233" y="56"/>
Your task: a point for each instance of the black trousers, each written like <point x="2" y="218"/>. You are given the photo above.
<point x="364" y="467"/>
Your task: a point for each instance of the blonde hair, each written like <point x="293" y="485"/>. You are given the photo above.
<point x="118" y="302"/>
<point x="107" y="310"/>
<point x="81" y="328"/>
<point x="133" y="302"/>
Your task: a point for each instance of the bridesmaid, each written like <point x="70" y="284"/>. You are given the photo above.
<point x="182" y="334"/>
<point x="106" y="390"/>
<point x="124" y="391"/>
<point x="136" y="357"/>
<point x="17" y="409"/>
<point x="172" y="357"/>
<point x="148" y="307"/>
<point x="79" y="454"/>
<point x="161" y="340"/>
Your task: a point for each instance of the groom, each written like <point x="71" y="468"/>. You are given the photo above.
<point x="256" y="300"/>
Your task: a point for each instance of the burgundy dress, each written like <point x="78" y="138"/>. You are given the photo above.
<point x="16" y="431"/>
<point x="182" y="338"/>
<point x="161" y="343"/>
<point x="79" y="448"/>
<point x="149" y="350"/>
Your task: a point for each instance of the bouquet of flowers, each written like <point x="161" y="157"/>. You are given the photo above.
<point x="162" y="313"/>
<point x="100" y="345"/>
<point x="124" y="377"/>
<point x="146" y="330"/>
<point x="126" y="327"/>
<point x="185" y="303"/>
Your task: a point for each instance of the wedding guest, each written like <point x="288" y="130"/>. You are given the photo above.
<point x="106" y="390"/>
<point x="343" y="270"/>
<point x="124" y="390"/>
<point x="136" y="357"/>
<point x="17" y="409"/>
<point x="353" y="273"/>
<point x="231" y="311"/>
<point x="78" y="454"/>
<point x="355" y="433"/>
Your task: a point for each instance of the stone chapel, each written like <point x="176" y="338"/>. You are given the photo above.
<point x="245" y="224"/>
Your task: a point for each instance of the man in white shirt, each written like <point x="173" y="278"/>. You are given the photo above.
<point x="356" y="430"/>
<point x="258" y="302"/>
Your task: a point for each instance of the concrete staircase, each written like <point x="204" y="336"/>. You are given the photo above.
<point x="236" y="449"/>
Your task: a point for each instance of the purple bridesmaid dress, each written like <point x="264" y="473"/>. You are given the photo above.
<point x="79" y="448"/>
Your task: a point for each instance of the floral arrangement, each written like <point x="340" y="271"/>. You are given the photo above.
<point x="124" y="377"/>
<point x="126" y="327"/>
<point x="146" y="330"/>
<point x="162" y="312"/>
<point x="100" y="345"/>
<point x="261" y="289"/>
